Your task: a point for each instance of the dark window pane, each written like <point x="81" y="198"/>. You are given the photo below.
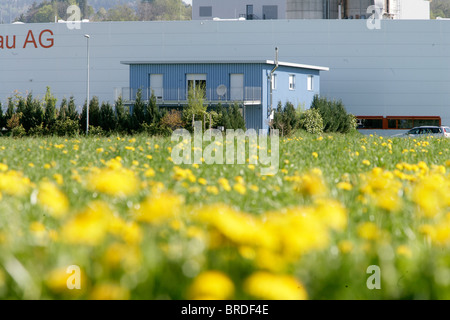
<point x="426" y="122"/>
<point x="405" y="123"/>
<point x="205" y="12"/>
<point x="392" y="124"/>
<point x="370" y="124"/>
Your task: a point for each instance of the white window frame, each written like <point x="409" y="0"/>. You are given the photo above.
<point x="292" y="82"/>
<point x="310" y="83"/>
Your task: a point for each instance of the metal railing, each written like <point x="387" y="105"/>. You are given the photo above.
<point x="246" y="95"/>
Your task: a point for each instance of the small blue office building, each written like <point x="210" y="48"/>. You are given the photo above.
<point x="258" y="86"/>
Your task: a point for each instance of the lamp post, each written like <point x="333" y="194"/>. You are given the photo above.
<point x="87" y="101"/>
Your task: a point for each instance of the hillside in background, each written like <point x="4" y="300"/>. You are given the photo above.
<point x="30" y="11"/>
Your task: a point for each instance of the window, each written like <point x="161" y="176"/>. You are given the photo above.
<point x="156" y="85"/>
<point x="274" y="81"/>
<point x="370" y="123"/>
<point x="397" y="122"/>
<point x="291" y="82"/>
<point x="270" y="12"/>
<point x="205" y="11"/>
<point x="310" y="85"/>
<point x="196" y="82"/>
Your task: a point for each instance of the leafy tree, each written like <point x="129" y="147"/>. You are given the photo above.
<point x="196" y="108"/>
<point x="121" y="13"/>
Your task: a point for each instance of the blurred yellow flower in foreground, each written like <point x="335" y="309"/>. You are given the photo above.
<point x="211" y="285"/>
<point x="114" y="182"/>
<point x="14" y="183"/>
<point x="109" y="291"/>
<point x="268" y="286"/>
<point x="89" y="226"/>
<point x="52" y="199"/>
<point x="311" y="184"/>
<point x="159" y="208"/>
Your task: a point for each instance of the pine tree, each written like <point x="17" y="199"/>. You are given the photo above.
<point x="94" y="112"/>
<point x="122" y="116"/>
<point x="138" y="114"/>
<point x="72" y="113"/>
<point x="11" y="110"/>
<point x="50" y="110"/>
<point x="63" y="110"/>
<point x="237" y="120"/>
<point x="2" y="117"/>
<point x="107" y="117"/>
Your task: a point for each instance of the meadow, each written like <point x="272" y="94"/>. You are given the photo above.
<point x="136" y="226"/>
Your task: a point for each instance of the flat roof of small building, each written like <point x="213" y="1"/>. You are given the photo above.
<point x="270" y="62"/>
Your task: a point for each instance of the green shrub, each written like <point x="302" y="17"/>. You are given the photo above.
<point x="66" y="127"/>
<point x="335" y="117"/>
<point x="312" y="121"/>
<point x="18" y="131"/>
<point x="96" y="131"/>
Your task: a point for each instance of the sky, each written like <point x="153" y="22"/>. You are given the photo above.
<point x="188" y="2"/>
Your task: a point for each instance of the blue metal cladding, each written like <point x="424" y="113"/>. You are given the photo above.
<point x="254" y="117"/>
<point x="174" y="76"/>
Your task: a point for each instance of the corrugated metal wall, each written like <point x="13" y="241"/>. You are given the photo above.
<point x="174" y="76"/>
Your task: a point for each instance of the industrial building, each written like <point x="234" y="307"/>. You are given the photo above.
<point x="392" y="77"/>
<point x="309" y="9"/>
<point x="255" y="84"/>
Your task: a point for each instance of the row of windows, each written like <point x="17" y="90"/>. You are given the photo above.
<point x="292" y="86"/>
<point x="397" y="122"/>
<point x="237" y="80"/>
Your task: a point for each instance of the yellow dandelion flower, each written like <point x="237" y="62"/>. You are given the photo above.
<point x="344" y="186"/>
<point x="118" y="183"/>
<point x="404" y="251"/>
<point x="268" y="286"/>
<point x="213" y="190"/>
<point x="224" y="184"/>
<point x="211" y="285"/>
<point x="89" y="226"/>
<point x="109" y="291"/>
<point x="240" y="188"/>
<point x="159" y="208"/>
<point x="345" y="246"/>
<point x="202" y="181"/>
<point x="52" y="199"/>
<point x="315" y="154"/>
<point x="368" y="231"/>
<point x="366" y="162"/>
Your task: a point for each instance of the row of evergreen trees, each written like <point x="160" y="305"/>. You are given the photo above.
<point x="32" y="116"/>
<point x="323" y="116"/>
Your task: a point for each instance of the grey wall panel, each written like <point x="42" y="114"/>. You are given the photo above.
<point x="401" y="69"/>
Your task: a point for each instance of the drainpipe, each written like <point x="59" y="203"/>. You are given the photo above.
<point x="271" y="80"/>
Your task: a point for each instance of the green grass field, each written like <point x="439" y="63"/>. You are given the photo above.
<point x="140" y="227"/>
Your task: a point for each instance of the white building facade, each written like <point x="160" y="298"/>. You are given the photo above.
<point x="309" y="9"/>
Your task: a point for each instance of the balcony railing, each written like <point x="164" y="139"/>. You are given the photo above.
<point x="246" y="95"/>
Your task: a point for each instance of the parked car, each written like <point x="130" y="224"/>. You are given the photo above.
<point x="435" y="131"/>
